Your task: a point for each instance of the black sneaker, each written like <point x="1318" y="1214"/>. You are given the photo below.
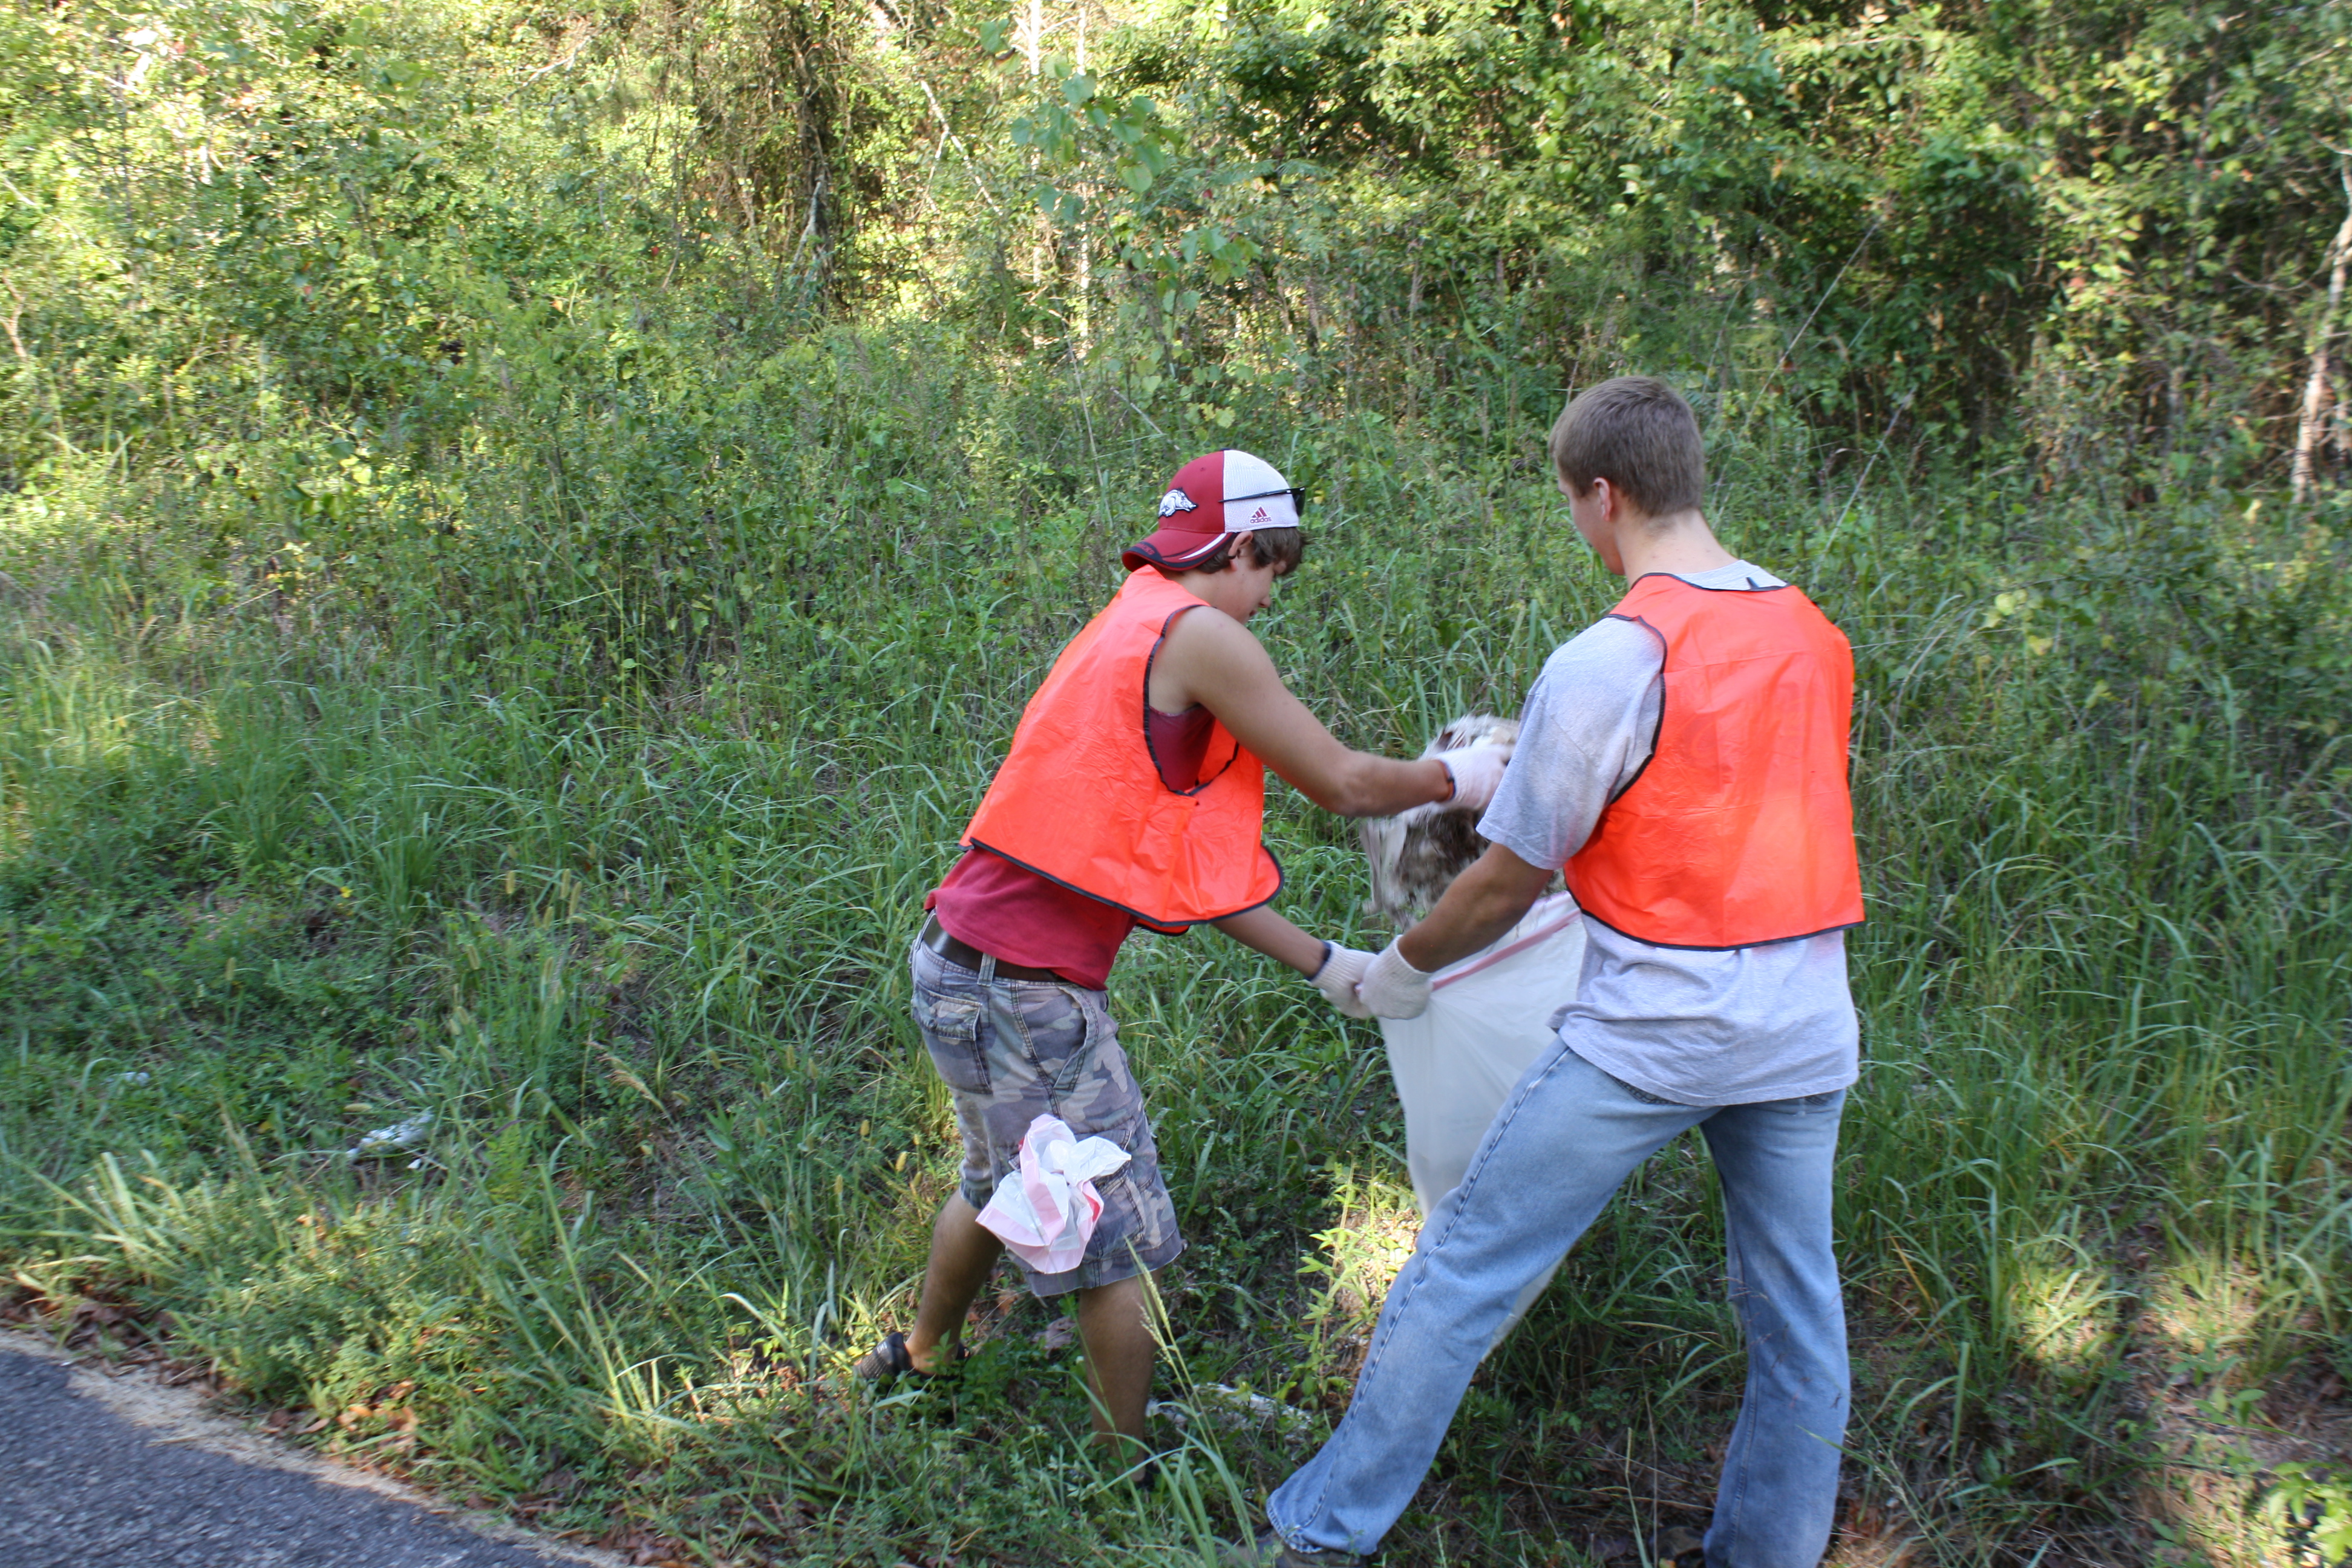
<point x="888" y="1361"/>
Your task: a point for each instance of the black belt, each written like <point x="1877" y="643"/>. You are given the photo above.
<point x="934" y="937"/>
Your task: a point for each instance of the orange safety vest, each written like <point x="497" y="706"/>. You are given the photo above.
<point x="1739" y="829"/>
<point x="1079" y="799"/>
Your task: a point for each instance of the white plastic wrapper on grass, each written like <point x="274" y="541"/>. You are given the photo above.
<point x="1233" y="1409"/>
<point x="1490" y="1015"/>
<point x="385" y="1141"/>
<point x="1046" y="1211"/>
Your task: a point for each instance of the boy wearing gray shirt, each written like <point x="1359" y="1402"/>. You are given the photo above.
<point x="1696" y="1025"/>
<point x="1685" y="761"/>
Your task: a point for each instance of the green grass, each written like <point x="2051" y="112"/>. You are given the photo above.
<point x="624" y="904"/>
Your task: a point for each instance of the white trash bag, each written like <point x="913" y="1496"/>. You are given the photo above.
<point x="1489" y="1016"/>
<point x="1045" y="1211"/>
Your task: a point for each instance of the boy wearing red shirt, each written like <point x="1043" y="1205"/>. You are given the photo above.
<point x="1132" y="796"/>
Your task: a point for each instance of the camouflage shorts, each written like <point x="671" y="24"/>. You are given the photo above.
<point x="1013" y="1050"/>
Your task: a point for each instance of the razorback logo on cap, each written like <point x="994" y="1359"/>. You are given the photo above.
<point x="1176" y="500"/>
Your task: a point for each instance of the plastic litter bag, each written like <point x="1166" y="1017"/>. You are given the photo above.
<point x="1045" y="1212"/>
<point x="1488" y="1017"/>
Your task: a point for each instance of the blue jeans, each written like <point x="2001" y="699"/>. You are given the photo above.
<point x="1566" y="1139"/>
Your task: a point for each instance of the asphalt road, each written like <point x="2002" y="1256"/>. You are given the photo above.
<point x="80" y="1485"/>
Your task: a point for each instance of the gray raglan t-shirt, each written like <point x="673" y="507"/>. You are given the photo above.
<point x="1699" y="1028"/>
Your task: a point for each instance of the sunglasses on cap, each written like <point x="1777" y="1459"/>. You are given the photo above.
<point x="1297" y="499"/>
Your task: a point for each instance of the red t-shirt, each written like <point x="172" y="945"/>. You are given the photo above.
<point x="1021" y="918"/>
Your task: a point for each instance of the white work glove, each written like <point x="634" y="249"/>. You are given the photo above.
<point x="1342" y="967"/>
<point x="1392" y="988"/>
<point x="1478" y="771"/>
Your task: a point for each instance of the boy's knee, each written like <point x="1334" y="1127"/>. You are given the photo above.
<point x="1097" y="1298"/>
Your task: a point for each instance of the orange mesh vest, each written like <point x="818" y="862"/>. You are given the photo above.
<point x="1079" y="800"/>
<point x="1739" y="829"/>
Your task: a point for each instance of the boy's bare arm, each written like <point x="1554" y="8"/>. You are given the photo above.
<point x="1483" y="903"/>
<point x="1212" y="660"/>
<point x="1275" y="937"/>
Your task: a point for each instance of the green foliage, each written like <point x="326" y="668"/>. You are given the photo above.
<point x="2320" y="1505"/>
<point x="524" y="535"/>
<point x="2049" y="216"/>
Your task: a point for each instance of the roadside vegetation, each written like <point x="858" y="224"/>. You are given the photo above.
<point x="526" y="531"/>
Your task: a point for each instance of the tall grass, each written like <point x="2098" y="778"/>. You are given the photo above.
<point x="450" y="822"/>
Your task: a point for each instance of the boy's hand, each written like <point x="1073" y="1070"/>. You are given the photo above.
<point x="1392" y="988"/>
<point x="1342" y="967"/>
<point x="1477" y="773"/>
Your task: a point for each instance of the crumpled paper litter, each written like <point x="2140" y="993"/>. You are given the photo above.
<point x="1045" y="1211"/>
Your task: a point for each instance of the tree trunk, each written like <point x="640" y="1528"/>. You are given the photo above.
<point x="2314" y="389"/>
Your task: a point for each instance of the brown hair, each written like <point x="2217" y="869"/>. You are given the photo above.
<point x="1280" y="548"/>
<point x="1637" y="433"/>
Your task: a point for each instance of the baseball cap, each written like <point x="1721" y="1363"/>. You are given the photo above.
<point x="1224" y="493"/>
